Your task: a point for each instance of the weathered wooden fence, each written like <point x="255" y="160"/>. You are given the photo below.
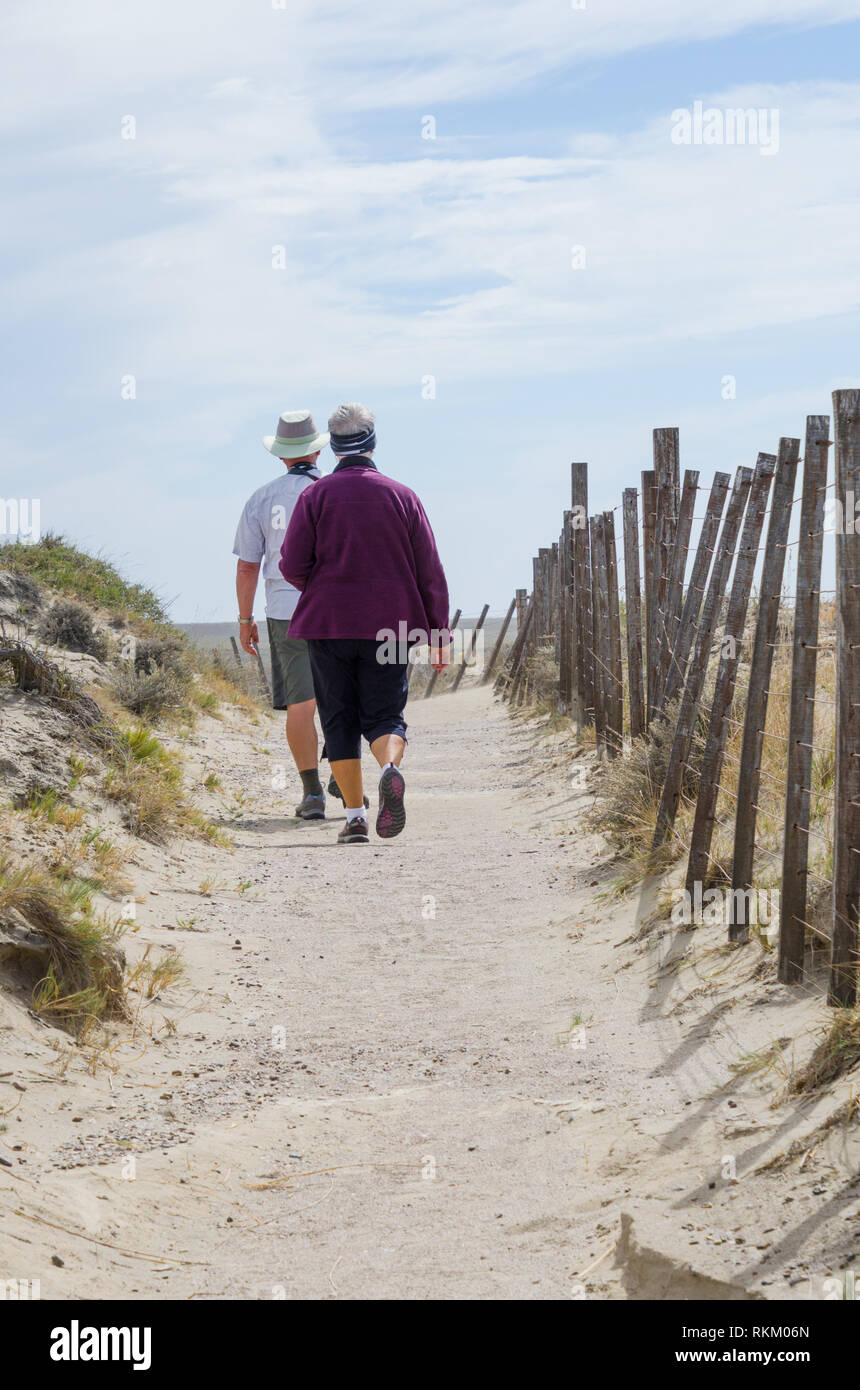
<point x="723" y="666"/>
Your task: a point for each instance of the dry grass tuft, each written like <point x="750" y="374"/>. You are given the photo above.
<point x="51" y="931"/>
<point x="149" y="977"/>
<point x="838" y="1052"/>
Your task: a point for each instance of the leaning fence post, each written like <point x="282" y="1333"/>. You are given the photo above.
<point x="499" y="640"/>
<point x="705" y="551"/>
<point x="801" y="725"/>
<point x="846" y="817"/>
<point x="518" y="655"/>
<point x="581" y="594"/>
<point x="633" y="604"/>
<point x="724" y="688"/>
<point x="767" y="624"/>
<point x="688" y="708"/>
<point x="467" y="657"/>
<point x="615" y="674"/>
<point x="649" y="516"/>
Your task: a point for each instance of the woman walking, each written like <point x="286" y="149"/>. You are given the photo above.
<point x="362" y="553"/>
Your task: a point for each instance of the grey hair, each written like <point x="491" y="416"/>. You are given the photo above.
<point x="350" y="418"/>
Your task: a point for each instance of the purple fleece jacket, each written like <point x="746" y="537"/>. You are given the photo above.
<point x="361" y="550"/>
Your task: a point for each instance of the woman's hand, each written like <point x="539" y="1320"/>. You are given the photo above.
<point x="440" y="657"/>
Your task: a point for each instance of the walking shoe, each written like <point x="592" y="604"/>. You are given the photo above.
<point x="391" y="816"/>
<point x="354" y="832"/>
<point x="311" y="808"/>
<point x="334" y="790"/>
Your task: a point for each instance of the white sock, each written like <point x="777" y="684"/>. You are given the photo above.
<point x="386" y="766"/>
<point x="354" y="812"/>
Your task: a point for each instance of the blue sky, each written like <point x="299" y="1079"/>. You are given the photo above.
<point x="405" y="258"/>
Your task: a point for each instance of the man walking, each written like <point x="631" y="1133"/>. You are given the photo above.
<point x="259" y="536"/>
<point x="361" y="550"/>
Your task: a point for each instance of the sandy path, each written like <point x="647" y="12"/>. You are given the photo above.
<point x="423" y="986"/>
<point x="450" y="1047"/>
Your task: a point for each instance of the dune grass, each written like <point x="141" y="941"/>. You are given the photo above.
<point x="73" y="951"/>
<point x="56" y="563"/>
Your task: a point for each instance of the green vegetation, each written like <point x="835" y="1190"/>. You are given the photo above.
<point x="53" y="561"/>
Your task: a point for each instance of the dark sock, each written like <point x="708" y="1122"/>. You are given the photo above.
<point x="311" y="784"/>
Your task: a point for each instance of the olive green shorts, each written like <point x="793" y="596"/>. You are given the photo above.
<point x="292" y="681"/>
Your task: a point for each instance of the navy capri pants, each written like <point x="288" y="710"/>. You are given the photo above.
<point x="356" y="694"/>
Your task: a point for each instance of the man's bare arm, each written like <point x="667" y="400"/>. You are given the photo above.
<point x="247" y="575"/>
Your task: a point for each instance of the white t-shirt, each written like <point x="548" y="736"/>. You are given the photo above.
<point x="260" y="535"/>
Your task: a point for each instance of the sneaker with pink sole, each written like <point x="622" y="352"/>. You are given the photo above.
<point x="391" y="816"/>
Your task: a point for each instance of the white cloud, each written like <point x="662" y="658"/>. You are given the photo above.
<point x="462" y="267"/>
<point x="373" y="54"/>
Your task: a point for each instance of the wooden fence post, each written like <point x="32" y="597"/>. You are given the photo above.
<point x="466" y="659"/>
<point x="553" y="590"/>
<point x="705" y="551"/>
<point x="666" y="480"/>
<point x="499" y="640"/>
<point x="649" y="517"/>
<point x="581" y="619"/>
<point x="846" y="815"/>
<point x="767" y="624"/>
<point x="541" y="575"/>
<point x="724" y="688"/>
<point x="615" y="675"/>
<point x="671" y="794"/>
<point x="521" y="647"/>
<point x="522" y="602"/>
<point x="434" y="675"/>
<point x="633" y="604"/>
<point x="598" y="627"/>
<point x="506" y="675"/>
<point x="801" y="726"/>
<point x="675" y="586"/>
<point x="563" y="643"/>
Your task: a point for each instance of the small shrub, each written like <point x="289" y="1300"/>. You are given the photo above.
<point x="70" y="626"/>
<point x="154" y="692"/>
<point x="165" y="649"/>
<point x="23" y="591"/>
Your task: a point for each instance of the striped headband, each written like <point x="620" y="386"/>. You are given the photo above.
<point x="361" y="442"/>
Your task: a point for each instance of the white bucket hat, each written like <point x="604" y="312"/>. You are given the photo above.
<point x="296" y="436"/>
